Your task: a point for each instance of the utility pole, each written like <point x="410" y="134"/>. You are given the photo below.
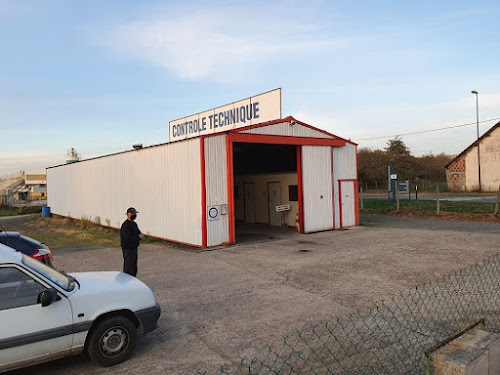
<point x="477" y="129"/>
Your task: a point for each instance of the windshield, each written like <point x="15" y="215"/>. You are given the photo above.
<point x="63" y="280"/>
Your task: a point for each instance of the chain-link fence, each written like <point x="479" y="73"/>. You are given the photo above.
<point x="392" y="337"/>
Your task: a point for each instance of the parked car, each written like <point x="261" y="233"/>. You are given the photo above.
<point x="29" y="246"/>
<point x="46" y="314"/>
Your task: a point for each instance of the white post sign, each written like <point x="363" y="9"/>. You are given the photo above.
<point x="246" y="112"/>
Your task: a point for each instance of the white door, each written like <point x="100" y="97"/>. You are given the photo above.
<point x="274" y="199"/>
<point x="317" y="188"/>
<point x="347" y="203"/>
<point x="249" y="190"/>
<point x="29" y="330"/>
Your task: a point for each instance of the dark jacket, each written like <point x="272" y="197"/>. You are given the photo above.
<point x="129" y="235"/>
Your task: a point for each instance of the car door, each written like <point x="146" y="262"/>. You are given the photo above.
<point x="29" y="332"/>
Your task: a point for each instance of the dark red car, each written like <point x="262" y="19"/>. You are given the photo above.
<point x="26" y="245"/>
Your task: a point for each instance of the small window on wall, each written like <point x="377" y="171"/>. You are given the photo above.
<point x="293" y="193"/>
<point x="236" y="192"/>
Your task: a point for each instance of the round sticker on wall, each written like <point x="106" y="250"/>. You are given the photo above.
<point x="213" y="212"/>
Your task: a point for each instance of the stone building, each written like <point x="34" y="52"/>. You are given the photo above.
<point x="462" y="173"/>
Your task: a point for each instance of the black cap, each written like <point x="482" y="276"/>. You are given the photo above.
<point x="132" y="210"/>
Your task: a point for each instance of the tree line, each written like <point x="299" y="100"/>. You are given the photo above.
<point x="426" y="171"/>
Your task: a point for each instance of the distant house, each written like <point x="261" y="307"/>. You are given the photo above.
<point x="462" y="172"/>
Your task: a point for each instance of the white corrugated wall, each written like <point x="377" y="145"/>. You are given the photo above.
<point x="287" y="130"/>
<point x="216" y="187"/>
<point x="344" y="168"/>
<point x="317" y="188"/>
<point x="163" y="183"/>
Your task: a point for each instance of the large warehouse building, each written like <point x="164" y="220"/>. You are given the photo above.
<point x="233" y="165"/>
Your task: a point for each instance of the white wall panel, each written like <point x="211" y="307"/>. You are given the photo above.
<point x="163" y="183"/>
<point x="344" y="168"/>
<point x="216" y="187"/>
<point x="317" y="188"/>
<point x="345" y="162"/>
<point x="285" y="129"/>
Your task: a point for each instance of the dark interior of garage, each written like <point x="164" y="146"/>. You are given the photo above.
<point x="256" y="158"/>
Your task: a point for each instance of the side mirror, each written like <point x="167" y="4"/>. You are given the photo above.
<point x="47" y="297"/>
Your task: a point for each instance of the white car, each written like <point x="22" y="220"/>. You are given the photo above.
<point x="46" y="314"/>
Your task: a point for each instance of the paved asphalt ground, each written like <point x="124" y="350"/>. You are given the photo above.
<point x="222" y="304"/>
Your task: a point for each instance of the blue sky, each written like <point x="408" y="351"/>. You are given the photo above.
<point x="101" y="76"/>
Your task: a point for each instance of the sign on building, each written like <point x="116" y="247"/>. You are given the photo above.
<point x="254" y="110"/>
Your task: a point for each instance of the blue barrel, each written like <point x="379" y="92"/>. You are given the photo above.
<point x="46" y="211"/>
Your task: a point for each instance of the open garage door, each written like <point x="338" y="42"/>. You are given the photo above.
<point x="317" y="188"/>
<point x="264" y="176"/>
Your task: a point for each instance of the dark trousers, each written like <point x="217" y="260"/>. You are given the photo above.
<point x="130" y="261"/>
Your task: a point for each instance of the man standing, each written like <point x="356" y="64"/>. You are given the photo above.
<point x="130" y="237"/>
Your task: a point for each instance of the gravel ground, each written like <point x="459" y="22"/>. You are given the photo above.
<point x="220" y="305"/>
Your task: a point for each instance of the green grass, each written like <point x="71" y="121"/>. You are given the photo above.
<point x="382" y="206"/>
<point x="64" y="232"/>
<point x="13" y="211"/>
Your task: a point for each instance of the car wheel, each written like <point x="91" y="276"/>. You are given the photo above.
<point x="112" y="341"/>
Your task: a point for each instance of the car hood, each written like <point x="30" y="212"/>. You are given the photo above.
<point x="109" y="291"/>
<point x="110" y="280"/>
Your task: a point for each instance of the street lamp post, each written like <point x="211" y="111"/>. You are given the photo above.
<point x="477" y="129"/>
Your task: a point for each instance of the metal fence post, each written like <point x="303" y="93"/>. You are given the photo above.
<point x="498" y="200"/>
<point x="437" y="200"/>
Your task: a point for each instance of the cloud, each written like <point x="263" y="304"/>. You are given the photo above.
<point x="214" y="43"/>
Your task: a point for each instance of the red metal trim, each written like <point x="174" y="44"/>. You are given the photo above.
<point x="203" y="194"/>
<point x="299" y="189"/>
<point x="279" y="121"/>
<point x="356" y="190"/>
<point x="333" y="190"/>
<point x="356" y="202"/>
<point x="262" y="124"/>
<point x="288" y="119"/>
<point x="230" y="190"/>
<point x="284" y="140"/>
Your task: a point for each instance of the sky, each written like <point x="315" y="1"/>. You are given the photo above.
<point x="101" y="76"/>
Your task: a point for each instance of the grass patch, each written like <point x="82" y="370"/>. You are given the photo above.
<point x="14" y="211"/>
<point x="65" y="232"/>
<point x="466" y="209"/>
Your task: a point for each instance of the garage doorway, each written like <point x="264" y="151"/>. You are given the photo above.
<point x="265" y="173"/>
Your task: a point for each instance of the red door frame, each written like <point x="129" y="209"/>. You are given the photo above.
<point x="356" y="199"/>
<point x="233" y="137"/>
<point x="299" y="190"/>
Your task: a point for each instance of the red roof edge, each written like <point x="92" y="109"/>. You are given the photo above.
<point x="290" y="119"/>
